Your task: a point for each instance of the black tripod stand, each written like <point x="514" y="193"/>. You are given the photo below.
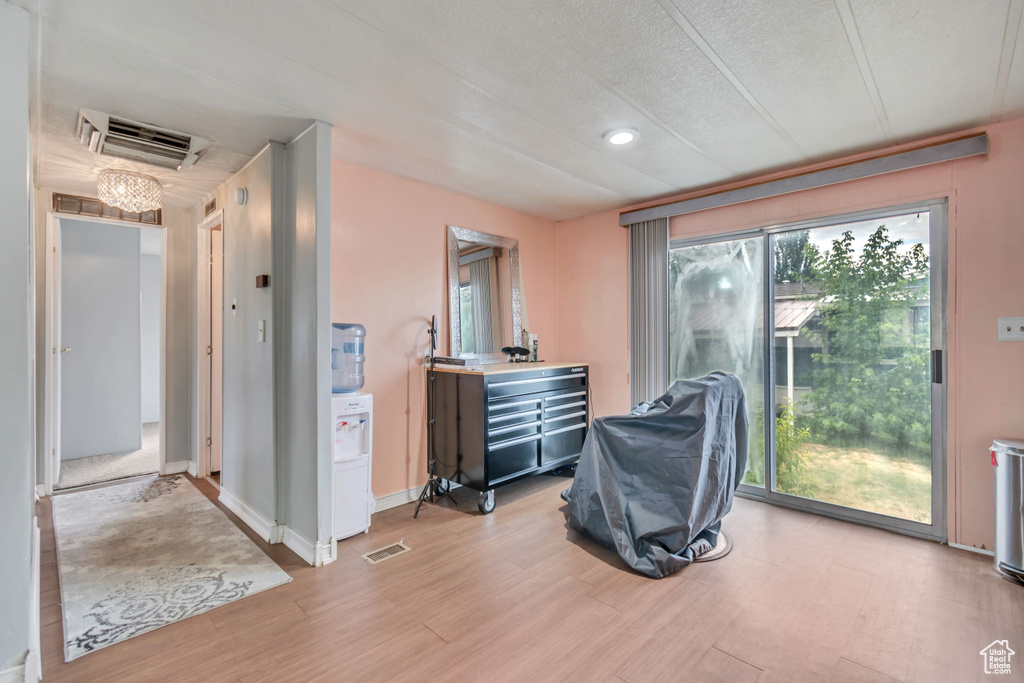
<point x="435" y="486"/>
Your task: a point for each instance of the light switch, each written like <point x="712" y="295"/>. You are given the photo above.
<point x="1011" y="329"/>
<point x="261" y="332"/>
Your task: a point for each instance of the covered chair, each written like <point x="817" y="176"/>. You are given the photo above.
<point x="654" y="485"/>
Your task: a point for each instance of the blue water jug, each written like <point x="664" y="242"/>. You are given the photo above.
<point x="347" y="357"/>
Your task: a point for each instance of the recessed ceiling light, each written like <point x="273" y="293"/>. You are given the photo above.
<point x="621" y="136"/>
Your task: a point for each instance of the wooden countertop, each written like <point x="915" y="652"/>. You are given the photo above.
<point x="496" y="368"/>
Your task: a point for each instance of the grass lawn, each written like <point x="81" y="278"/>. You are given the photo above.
<point x="860" y="478"/>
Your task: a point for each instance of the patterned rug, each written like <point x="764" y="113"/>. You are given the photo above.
<point x="140" y="555"/>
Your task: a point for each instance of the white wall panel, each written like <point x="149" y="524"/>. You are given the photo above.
<point x="17" y="495"/>
<point x="248" y="468"/>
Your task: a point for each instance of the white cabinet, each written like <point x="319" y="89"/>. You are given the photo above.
<point x="352" y="422"/>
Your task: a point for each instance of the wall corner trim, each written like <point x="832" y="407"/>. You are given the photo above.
<point x="34" y="659"/>
<point x="971" y="549"/>
<point x="300" y="545"/>
<point x="333" y="548"/>
<point x="316" y="554"/>
<point x="176" y="467"/>
<point x="263" y="528"/>
<point x="14" y="674"/>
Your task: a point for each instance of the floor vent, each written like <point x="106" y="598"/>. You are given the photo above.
<point x="387" y="552"/>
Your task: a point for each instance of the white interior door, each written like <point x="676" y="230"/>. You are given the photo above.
<point x="52" y="393"/>
<point x="100" y="399"/>
<point x="216" y="323"/>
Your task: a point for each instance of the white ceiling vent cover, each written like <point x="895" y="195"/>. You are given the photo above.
<point x="126" y="139"/>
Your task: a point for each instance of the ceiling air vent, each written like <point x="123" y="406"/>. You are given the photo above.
<point x="126" y="139"/>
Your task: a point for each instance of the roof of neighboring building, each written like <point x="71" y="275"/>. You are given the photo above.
<point x="793" y="313"/>
<point x="790" y="289"/>
<point x="790" y="314"/>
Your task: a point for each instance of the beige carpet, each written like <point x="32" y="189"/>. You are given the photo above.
<point x="142" y="554"/>
<point x="97" y="468"/>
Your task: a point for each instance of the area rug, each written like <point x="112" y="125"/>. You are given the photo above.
<point x="97" y="468"/>
<point x="136" y="556"/>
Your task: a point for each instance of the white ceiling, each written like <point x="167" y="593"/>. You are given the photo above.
<point x="507" y="100"/>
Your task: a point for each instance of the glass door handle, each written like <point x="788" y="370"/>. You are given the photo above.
<point x="936" y="366"/>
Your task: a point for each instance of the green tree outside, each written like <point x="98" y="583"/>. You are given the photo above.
<point x="870" y="379"/>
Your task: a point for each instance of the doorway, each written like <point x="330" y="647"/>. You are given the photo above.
<point x="210" y="312"/>
<point x="105" y="326"/>
<point x="836" y="329"/>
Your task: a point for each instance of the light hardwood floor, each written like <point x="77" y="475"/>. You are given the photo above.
<point x="516" y="596"/>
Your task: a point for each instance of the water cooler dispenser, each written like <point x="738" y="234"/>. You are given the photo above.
<point x="352" y="422"/>
<point x="347" y="357"/>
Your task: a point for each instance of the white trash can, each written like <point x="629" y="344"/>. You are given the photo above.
<point x="1008" y="459"/>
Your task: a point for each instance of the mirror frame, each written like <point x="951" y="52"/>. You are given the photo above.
<point x="455" y="234"/>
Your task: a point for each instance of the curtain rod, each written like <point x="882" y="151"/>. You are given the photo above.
<point x="970" y="145"/>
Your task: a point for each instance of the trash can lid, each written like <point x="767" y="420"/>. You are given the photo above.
<point x="1011" y="446"/>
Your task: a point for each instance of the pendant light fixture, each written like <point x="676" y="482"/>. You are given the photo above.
<point x="129" y="191"/>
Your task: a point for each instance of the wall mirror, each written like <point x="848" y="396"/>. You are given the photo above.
<point x="485" y="294"/>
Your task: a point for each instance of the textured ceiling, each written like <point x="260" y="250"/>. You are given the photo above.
<point x="507" y="101"/>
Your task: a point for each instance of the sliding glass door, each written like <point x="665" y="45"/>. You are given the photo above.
<point x="846" y="355"/>
<point x="716" y="322"/>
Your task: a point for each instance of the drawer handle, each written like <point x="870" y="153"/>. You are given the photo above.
<point x="515" y="442"/>
<point x="574" y="375"/>
<point x="563" y="406"/>
<point x="565" y="417"/>
<point x="561" y="396"/>
<point x="566" y="429"/>
<point x="499" y="406"/>
<point x="512" y="428"/>
<point x="512" y="416"/>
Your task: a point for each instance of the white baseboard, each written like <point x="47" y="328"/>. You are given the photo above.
<point x="14" y="674"/>
<point x="333" y="550"/>
<point x="300" y="545"/>
<point x="193" y="469"/>
<point x="393" y="500"/>
<point x="315" y="554"/>
<point x="176" y="467"/>
<point x="40" y="491"/>
<point x="33" y="661"/>
<point x="269" y="532"/>
<point x="971" y="548"/>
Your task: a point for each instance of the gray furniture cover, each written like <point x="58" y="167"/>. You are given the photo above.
<point x="654" y="485"/>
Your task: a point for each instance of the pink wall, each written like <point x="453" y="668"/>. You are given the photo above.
<point x="389" y="272"/>
<point x="593" y="304"/>
<point x="986" y="248"/>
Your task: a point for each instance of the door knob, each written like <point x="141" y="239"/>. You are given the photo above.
<point x="65" y="349"/>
